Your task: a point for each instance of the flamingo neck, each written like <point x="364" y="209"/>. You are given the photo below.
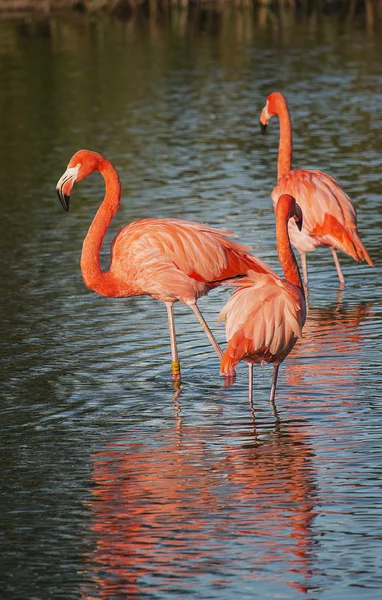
<point x="284" y="249"/>
<point x="92" y="274"/>
<point x="284" y="161"/>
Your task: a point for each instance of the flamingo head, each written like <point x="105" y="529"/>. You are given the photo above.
<point x="287" y="203"/>
<point x="80" y="166"/>
<point x="271" y="109"/>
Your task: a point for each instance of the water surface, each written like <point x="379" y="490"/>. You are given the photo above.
<point x="113" y="484"/>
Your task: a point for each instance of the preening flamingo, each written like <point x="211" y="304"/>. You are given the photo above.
<point x="329" y="215"/>
<point x="168" y="259"/>
<point x="265" y="315"/>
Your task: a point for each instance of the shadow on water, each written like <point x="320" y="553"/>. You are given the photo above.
<point x="193" y="503"/>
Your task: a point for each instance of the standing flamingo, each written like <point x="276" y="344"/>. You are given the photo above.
<point x="329" y="215"/>
<point x="168" y="259"/>
<point x="265" y="315"/>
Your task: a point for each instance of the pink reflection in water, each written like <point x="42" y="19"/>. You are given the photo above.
<point x="190" y="502"/>
<point x="329" y="355"/>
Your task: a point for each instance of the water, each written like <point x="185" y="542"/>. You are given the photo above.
<point x="113" y="484"/>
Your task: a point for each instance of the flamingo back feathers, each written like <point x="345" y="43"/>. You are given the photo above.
<point x="172" y="259"/>
<point x="329" y="214"/>
<point x="263" y="318"/>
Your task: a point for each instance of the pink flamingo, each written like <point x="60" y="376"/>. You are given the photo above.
<point x="168" y="259"/>
<point x="329" y="215"/>
<point x="265" y="315"/>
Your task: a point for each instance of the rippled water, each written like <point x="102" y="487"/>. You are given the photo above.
<point x="113" y="484"/>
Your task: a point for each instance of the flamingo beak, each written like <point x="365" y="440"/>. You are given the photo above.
<point x="65" y="185"/>
<point x="264" y="119"/>
<point x="263" y="128"/>
<point x="298" y="217"/>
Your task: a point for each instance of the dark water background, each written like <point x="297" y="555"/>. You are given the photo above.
<point x="112" y="485"/>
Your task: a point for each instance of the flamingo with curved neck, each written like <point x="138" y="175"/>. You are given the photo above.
<point x="169" y="259"/>
<point x="265" y="315"/>
<point x="329" y="215"/>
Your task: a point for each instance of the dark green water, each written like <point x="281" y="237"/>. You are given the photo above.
<point x="113" y="486"/>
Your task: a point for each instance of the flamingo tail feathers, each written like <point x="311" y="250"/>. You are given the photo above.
<point x="343" y="239"/>
<point x="362" y="253"/>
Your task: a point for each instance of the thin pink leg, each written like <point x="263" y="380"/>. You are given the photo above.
<point x="175" y="364"/>
<point x="210" y="336"/>
<point x="338" y="267"/>
<point x="304" y="267"/>
<point x="274" y="382"/>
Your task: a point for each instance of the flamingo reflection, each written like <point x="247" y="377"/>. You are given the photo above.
<point x="202" y="502"/>
<point x="330" y="351"/>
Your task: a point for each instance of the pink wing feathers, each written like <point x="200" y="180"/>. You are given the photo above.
<point x="329" y="215"/>
<point x="263" y="319"/>
<point x="172" y="259"/>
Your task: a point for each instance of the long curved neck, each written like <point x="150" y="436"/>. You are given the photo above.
<point x="285" y="252"/>
<point x="93" y="276"/>
<point x="284" y="161"/>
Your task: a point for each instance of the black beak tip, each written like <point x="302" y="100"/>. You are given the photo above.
<point x="64" y="199"/>
<point x="299" y="224"/>
<point x="263" y="128"/>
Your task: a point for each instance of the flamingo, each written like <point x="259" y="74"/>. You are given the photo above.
<point x="265" y="315"/>
<point x="329" y="215"/>
<point x="168" y="259"/>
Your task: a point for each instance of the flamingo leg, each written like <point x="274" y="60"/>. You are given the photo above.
<point x="210" y="336"/>
<point x="250" y="384"/>
<point x="175" y="364"/>
<point x="304" y="267"/>
<point x="274" y="382"/>
<point x="338" y="267"/>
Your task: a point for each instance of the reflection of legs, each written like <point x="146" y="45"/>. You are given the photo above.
<point x="250" y="398"/>
<point x="175" y="364"/>
<point x="338" y="267"/>
<point x="250" y="383"/>
<point x="304" y="268"/>
<point x="177" y="408"/>
<point x="210" y="336"/>
<point x="274" y="381"/>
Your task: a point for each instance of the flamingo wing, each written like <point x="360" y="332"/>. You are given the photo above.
<point x="175" y="259"/>
<point x="263" y="319"/>
<point x="329" y="217"/>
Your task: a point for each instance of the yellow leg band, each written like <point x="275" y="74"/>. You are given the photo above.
<point x="175" y="367"/>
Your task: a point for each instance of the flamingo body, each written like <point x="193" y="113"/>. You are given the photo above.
<point x="263" y="320"/>
<point x="172" y="259"/>
<point x="265" y="315"/>
<point x="168" y="259"/>
<point x="329" y="215"/>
